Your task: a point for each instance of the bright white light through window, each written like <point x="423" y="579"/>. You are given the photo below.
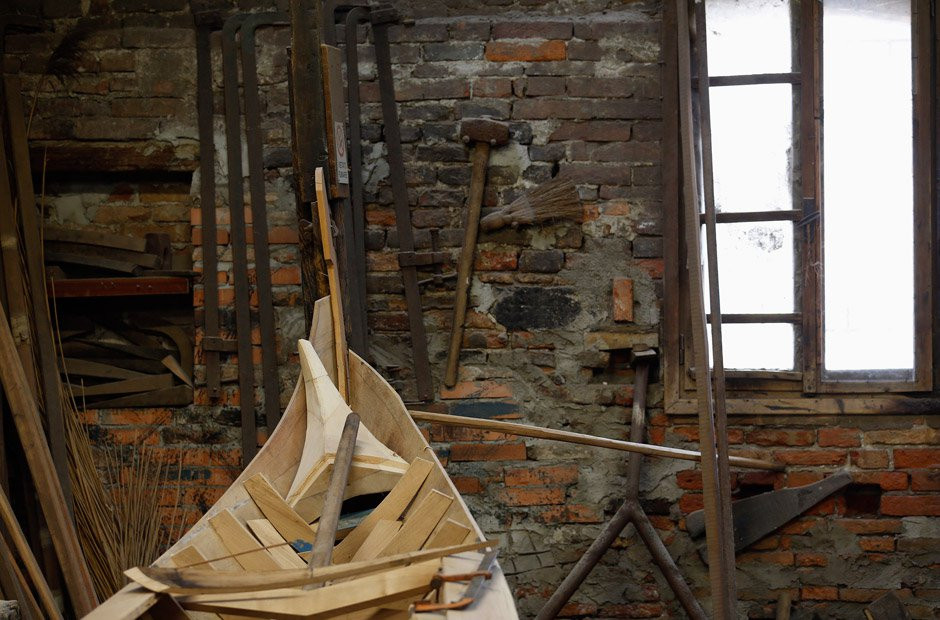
<point x="748" y="36"/>
<point x="756" y="346"/>
<point x="868" y="186"/>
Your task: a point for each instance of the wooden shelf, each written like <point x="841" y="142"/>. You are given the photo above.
<point x="118" y="287"/>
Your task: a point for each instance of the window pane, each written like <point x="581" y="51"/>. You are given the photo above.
<point x="756" y="346"/>
<point x="748" y="36"/>
<point x="752" y="147"/>
<point x="868" y="185"/>
<point x="755" y="262"/>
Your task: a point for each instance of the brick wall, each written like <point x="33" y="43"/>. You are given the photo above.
<point x="579" y="83"/>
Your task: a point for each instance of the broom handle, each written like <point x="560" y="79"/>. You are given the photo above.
<point x="479" y="157"/>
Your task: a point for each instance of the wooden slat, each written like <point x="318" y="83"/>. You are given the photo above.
<point x="125" y="386"/>
<point x="118" y="287"/>
<point x="177" y="396"/>
<point x="419" y="525"/>
<point x="142" y="259"/>
<point x="96" y="237"/>
<point x="391" y="508"/>
<point x="268" y="536"/>
<point x="88" y="368"/>
<point x="21" y="546"/>
<point x="377" y="539"/>
<point x="86" y="260"/>
<point x="336" y="297"/>
<point x="237" y="539"/>
<point x="284" y="518"/>
<point x="780" y="215"/>
<point x="29" y="427"/>
<point x="174" y="366"/>
<point x="449" y="533"/>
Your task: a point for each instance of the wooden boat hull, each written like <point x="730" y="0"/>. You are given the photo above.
<point x="384" y="414"/>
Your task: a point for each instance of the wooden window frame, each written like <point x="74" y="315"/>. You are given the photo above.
<point x="804" y="391"/>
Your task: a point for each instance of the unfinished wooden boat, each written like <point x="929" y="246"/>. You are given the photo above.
<point x="247" y="556"/>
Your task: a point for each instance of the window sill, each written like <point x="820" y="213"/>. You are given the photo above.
<point x="822" y="405"/>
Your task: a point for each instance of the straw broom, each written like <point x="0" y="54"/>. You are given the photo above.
<point x="557" y="199"/>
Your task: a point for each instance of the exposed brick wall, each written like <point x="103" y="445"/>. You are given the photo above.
<point x="579" y="83"/>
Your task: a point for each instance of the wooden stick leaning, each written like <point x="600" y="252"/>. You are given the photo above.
<point x="336" y="297"/>
<point x="29" y="427"/>
<point x="208" y="581"/>
<point x="21" y="547"/>
<point x="525" y="430"/>
<point x="342" y="463"/>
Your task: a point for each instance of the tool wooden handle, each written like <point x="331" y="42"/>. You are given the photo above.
<point x="479" y="157"/>
<point x="333" y="504"/>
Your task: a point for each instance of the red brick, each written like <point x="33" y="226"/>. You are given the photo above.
<point x="573" y="610"/>
<point x="496" y="260"/>
<point x="859" y="596"/>
<point x="510" y="51"/>
<point x="690" y="479"/>
<point x="921" y="435"/>
<point x="871" y="526"/>
<point x="623" y="299"/>
<point x="488" y="452"/>
<point x="531" y="496"/>
<point x="916" y="458"/>
<point x="467" y="485"/>
<point x="841" y="437"/>
<point x="569" y="513"/>
<point x="870" y="459"/>
<point x="655" y="267"/>
<point x="593" y="131"/>
<point x="887" y="480"/>
<point x="819" y="593"/>
<point x="925" y="480"/>
<point x="632" y="610"/>
<point x="690" y="502"/>
<point x="492" y="87"/>
<point x="812" y="559"/>
<point x="880" y="544"/>
<point x="285" y="275"/>
<point x="928" y="505"/>
<point x="476" y="389"/>
<point x="778" y="437"/>
<point x="539" y="476"/>
<point x="810" y="457"/>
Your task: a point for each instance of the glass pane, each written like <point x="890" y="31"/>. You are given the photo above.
<point x="748" y="36"/>
<point x="756" y="346"/>
<point x="868" y="185"/>
<point x="752" y="147"/>
<point x="755" y="262"/>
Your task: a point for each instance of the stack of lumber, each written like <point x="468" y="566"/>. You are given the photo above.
<point x="126" y="360"/>
<point x="87" y="253"/>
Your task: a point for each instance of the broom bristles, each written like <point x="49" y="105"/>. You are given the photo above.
<point x="556" y="199"/>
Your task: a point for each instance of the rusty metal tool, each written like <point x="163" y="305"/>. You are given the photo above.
<point x="470" y="595"/>
<point x="236" y="203"/>
<point x="755" y="517"/>
<point x="483" y="133"/>
<point x="382" y="17"/>
<point x="259" y="215"/>
<point x="631" y="511"/>
<point x="333" y="503"/>
<point x="206" y="23"/>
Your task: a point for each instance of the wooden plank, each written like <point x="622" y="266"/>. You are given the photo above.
<point x="525" y="430"/>
<point x="268" y="536"/>
<point x="419" y="525"/>
<point x="336" y="296"/>
<point x="141" y="259"/>
<point x="448" y="534"/>
<point x="176" y="396"/>
<point x="204" y="581"/>
<point x="174" y="366"/>
<point x="128" y="604"/>
<point x="118" y="287"/>
<point x="88" y="368"/>
<point x="84" y="260"/>
<point x="374" y="590"/>
<point x="96" y="237"/>
<point x="14" y="586"/>
<point x="284" y="518"/>
<point x="377" y="539"/>
<point x="391" y="508"/>
<point x="191" y="556"/>
<point x="21" y="546"/>
<point x="124" y="386"/>
<point x="237" y="539"/>
<point x="35" y="276"/>
<point x="29" y="427"/>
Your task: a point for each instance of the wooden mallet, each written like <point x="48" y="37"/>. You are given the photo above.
<point x="483" y="133"/>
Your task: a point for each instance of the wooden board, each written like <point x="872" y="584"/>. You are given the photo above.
<point x="390" y="509"/>
<point x="284" y="519"/>
<point x="95" y="237"/>
<point x="142" y="259"/>
<point x="377" y="539"/>
<point x="419" y="525"/>
<point x="268" y="536"/>
<point x="448" y="533"/>
<point x="238" y="540"/>
<point x="88" y="368"/>
<point x="125" y="386"/>
<point x="336" y="297"/>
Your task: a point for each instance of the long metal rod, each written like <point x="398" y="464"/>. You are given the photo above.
<point x="236" y="204"/>
<point x="210" y="260"/>
<point x="259" y="212"/>
<point x="383" y="61"/>
<point x="719" y="539"/>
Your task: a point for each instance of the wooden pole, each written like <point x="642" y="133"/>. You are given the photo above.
<point x="525" y="430"/>
<point x="29" y="427"/>
<point x="333" y="504"/>
<point x="15" y="534"/>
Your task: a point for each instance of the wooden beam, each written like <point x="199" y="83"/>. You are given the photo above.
<point x="118" y="287"/>
<point x="524" y="430"/>
<point x="29" y="427"/>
